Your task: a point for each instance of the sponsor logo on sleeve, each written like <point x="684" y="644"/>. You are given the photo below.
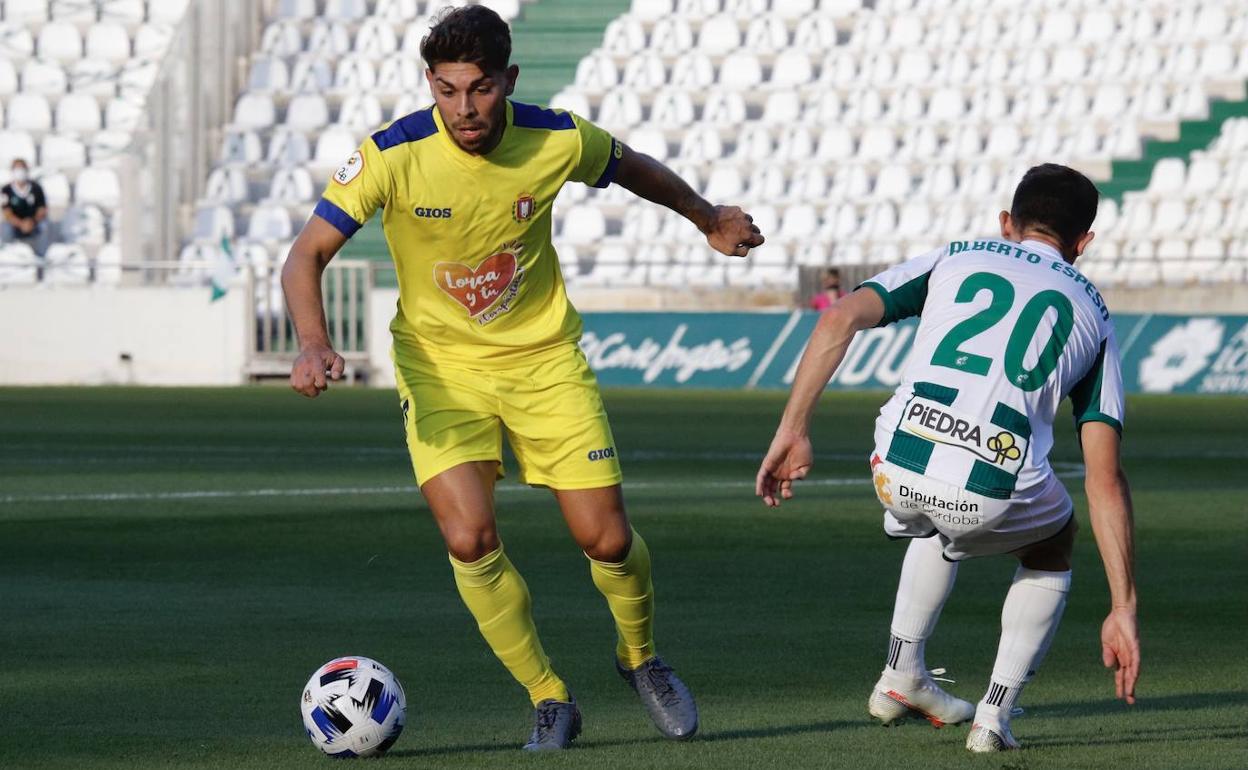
<point x="348" y="171"/>
<point x="941" y="424"/>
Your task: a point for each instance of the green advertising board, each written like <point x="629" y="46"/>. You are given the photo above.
<point x="1160" y="353"/>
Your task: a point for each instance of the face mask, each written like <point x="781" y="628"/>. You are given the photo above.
<point x="20" y="175"/>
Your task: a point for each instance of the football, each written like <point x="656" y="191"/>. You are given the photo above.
<point x="353" y="707"/>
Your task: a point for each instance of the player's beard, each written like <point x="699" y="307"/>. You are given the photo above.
<point x="487" y="136"/>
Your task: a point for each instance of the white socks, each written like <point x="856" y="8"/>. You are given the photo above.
<point x="926" y="580"/>
<point x="1029" y="618"/>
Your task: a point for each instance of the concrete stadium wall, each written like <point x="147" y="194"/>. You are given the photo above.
<point x="82" y="335"/>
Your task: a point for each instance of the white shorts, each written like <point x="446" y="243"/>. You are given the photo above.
<point x="968" y="524"/>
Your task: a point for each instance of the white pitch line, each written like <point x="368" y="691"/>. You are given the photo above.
<point x="222" y="494"/>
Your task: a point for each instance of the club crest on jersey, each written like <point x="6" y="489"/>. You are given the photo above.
<point x="940" y="424"/>
<point x="488" y="290"/>
<point x="348" y="171"/>
<point x="523" y="208"/>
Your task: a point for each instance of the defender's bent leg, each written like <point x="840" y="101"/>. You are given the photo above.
<point x="462" y="500"/>
<point x="905" y="687"/>
<point x="1029" y="619"/>
<point x="926" y="582"/>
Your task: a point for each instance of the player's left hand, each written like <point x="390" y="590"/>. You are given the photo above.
<point x="1120" y="650"/>
<point x="732" y="231"/>
<point x="788" y="460"/>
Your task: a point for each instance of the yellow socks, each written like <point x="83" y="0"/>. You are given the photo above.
<point x="498" y="598"/>
<point x="630" y="595"/>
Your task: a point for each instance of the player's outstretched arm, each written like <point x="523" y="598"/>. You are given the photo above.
<point x="728" y="229"/>
<point x="790" y="456"/>
<point x="317" y="363"/>
<point x="1113" y="524"/>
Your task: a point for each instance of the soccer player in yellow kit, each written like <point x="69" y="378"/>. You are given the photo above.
<point x="485" y="340"/>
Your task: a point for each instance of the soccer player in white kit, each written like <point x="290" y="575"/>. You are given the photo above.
<point x="1008" y="329"/>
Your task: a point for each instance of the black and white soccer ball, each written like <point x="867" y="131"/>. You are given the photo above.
<point x="353" y="707"/>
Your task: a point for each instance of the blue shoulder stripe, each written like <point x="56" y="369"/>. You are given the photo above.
<point x="409" y="128"/>
<point x="532" y="116"/>
<point x="336" y="217"/>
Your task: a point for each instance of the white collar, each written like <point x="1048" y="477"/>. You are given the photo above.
<point x="1044" y="248"/>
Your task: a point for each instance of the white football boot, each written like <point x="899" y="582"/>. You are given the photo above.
<point x="989" y="732"/>
<point x="898" y="695"/>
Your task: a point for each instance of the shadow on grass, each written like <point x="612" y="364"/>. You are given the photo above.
<point x="1175" y="702"/>
<point x="748" y="733"/>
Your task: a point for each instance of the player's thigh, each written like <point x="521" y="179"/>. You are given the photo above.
<point x="449" y="419"/>
<point x="597" y="521"/>
<point x="558" y="427"/>
<point x="1052" y="554"/>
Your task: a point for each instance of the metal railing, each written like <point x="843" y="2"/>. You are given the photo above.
<point x="163" y="170"/>
<point x="346" y="286"/>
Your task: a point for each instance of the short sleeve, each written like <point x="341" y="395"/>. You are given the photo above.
<point x="357" y="189"/>
<point x="600" y="154"/>
<point x="5" y="192"/>
<point x="41" y="200"/>
<point x="903" y="288"/>
<point x="1098" y="397"/>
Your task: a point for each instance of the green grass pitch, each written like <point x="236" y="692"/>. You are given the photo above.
<point x="175" y="563"/>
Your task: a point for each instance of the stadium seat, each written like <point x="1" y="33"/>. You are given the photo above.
<point x="84" y="224"/>
<point x="152" y="40"/>
<point x="644" y="73"/>
<point x="60" y="41"/>
<point x="16" y="42"/>
<point x="212" y="223"/>
<point x="361" y="112"/>
<point x="241" y="147"/>
<point x="619" y="109"/>
<point x="346" y="10"/>
<point x="355" y="74"/>
<point x="18" y="264"/>
<point x="767" y="34"/>
<point x="292" y="185"/>
<point x="106" y="268"/>
<point x="741" y="71"/>
<point x="311" y="75"/>
<point x="649" y="141"/>
<point x="693" y="72"/>
<point x="672" y="108"/>
<point x="397" y="74"/>
<point x="671" y="36"/>
<point x="333" y="146"/>
<point x="651" y="10"/>
<point x="56" y="188"/>
<point x="282" y="39"/>
<point x="26" y="12"/>
<point x="624" y="36"/>
<point x="29" y="112"/>
<point x="254" y="111"/>
<point x="45" y="78"/>
<point x="596" y="74"/>
<point x="307" y="112"/>
<point x="396" y="10"/>
<point x="376" y="39"/>
<point x="108" y="41"/>
<point x="97" y="186"/>
<point x="227" y="185"/>
<point x="66" y="263"/>
<point x="328" y="38"/>
<point x="59" y="152"/>
<point x="268" y="74"/>
<point x="78" y="113"/>
<point x="270" y="223"/>
<point x="584" y="225"/>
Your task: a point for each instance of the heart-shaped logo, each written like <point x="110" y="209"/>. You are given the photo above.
<point x="477" y="289"/>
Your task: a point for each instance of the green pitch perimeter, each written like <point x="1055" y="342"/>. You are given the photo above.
<point x="175" y="563"/>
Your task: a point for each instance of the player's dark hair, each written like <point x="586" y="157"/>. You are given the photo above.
<point x="472" y="33"/>
<point x="1055" y="200"/>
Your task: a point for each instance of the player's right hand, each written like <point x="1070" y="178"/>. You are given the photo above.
<point x="316" y="365"/>
<point x="788" y="460"/>
<point x="1120" y="650"/>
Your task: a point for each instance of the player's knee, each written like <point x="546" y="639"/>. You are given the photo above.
<point x="611" y="545"/>
<point x="468" y="544"/>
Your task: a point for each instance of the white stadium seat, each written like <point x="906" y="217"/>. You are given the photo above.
<point x="269" y="74"/>
<point x="240" y="147"/>
<point x="29" y="112"/>
<point x="58" y="152"/>
<point x="108" y="41"/>
<point x="333" y="146"/>
<point x="60" y="41"/>
<point x="97" y="186"/>
<point x="226" y="185"/>
<point x="671" y="37"/>
<point x="291" y="148"/>
<point x="43" y="77"/>
<point x="254" y="111"/>
<point x="152" y="40"/>
<point x="270" y="223"/>
<point x="78" y="113"/>
<point x="26" y="11"/>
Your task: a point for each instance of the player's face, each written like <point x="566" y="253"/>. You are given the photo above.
<point x="472" y="102"/>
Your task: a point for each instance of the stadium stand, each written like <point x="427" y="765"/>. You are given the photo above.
<point x="856" y="133"/>
<point x="74" y="77"/>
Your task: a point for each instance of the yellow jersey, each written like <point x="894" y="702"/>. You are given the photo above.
<point x="470" y="235"/>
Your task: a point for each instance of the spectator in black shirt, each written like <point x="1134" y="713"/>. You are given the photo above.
<point x="25" y="211"/>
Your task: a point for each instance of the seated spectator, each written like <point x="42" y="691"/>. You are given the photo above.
<point x="830" y="291"/>
<point x="25" y="211"/>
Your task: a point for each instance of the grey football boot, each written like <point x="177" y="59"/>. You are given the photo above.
<point x="668" y="700"/>
<point x="555" y="725"/>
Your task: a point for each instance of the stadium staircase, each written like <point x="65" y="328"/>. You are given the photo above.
<point x="1194" y="135"/>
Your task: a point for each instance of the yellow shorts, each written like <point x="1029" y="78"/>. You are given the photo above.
<point x="552" y="411"/>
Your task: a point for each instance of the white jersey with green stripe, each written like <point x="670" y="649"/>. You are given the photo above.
<point x="1006" y="332"/>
